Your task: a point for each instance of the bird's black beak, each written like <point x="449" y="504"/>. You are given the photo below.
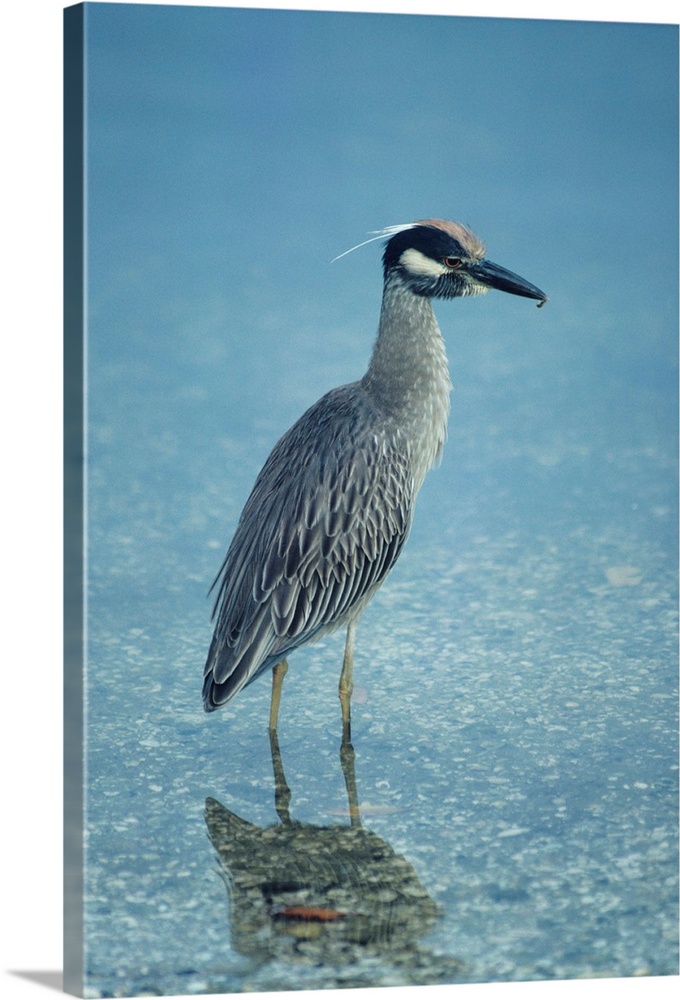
<point x="493" y="276"/>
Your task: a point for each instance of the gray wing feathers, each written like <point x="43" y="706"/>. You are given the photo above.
<point x="325" y="522"/>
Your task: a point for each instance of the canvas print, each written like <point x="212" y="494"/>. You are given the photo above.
<point x="370" y="564"/>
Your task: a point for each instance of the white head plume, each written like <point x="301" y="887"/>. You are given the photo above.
<point x="378" y="234"/>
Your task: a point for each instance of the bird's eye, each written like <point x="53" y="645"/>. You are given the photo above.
<point x="453" y="262"/>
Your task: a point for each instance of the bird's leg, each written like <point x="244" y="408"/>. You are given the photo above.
<point x="278" y="673"/>
<point x="346" y="684"/>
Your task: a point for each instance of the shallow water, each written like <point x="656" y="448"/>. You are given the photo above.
<point x="514" y="719"/>
<point x="515" y="743"/>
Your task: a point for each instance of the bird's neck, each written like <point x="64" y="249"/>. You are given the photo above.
<point x="408" y="375"/>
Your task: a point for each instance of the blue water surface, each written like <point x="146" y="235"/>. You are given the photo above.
<point x="515" y="710"/>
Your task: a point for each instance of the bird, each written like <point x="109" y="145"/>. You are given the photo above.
<point x="332" y="507"/>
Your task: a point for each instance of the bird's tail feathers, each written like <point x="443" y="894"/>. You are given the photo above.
<point x="228" y="668"/>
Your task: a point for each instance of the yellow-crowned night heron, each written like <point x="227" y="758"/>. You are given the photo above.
<point x="333" y="504"/>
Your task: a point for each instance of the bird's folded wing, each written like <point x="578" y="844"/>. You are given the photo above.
<point x="325" y="522"/>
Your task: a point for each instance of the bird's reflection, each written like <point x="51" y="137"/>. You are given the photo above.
<point x="323" y="894"/>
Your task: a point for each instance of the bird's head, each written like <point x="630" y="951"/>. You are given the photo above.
<point x="439" y="259"/>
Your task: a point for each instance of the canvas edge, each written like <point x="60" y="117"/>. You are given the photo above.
<point x="74" y="480"/>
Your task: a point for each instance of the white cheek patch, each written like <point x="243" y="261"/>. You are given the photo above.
<point x="418" y="263"/>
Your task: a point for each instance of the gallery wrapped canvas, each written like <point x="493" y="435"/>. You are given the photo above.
<point x="504" y="807"/>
